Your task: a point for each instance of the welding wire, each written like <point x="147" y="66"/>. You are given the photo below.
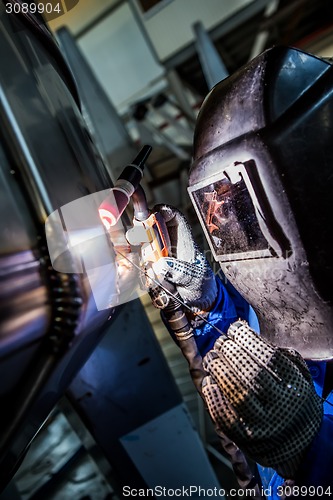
<point x="168" y="292"/>
<point x="156" y="282"/>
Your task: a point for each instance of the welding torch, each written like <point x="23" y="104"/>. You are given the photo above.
<point x="149" y="231"/>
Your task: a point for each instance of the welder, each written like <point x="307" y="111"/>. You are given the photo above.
<point x="261" y="185"/>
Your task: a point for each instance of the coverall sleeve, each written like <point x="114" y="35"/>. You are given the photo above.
<point x="317" y="467"/>
<point x="314" y="478"/>
<point x="229" y="307"/>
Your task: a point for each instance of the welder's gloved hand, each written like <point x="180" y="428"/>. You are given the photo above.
<point x="187" y="267"/>
<point x="262" y="398"/>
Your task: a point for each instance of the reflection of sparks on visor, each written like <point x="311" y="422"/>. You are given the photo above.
<point x="213" y="207"/>
<point x="108" y="218"/>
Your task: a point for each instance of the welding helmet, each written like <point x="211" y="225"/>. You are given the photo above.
<point x="262" y="185"/>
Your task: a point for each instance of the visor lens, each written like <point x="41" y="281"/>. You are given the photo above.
<point x="236" y="214"/>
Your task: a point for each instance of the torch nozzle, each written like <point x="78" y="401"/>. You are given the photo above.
<point x="129" y="180"/>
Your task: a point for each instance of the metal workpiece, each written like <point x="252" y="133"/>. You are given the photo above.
<point x="261" y="183"/>
<point x="49" y="322"/>
<point x="114" y="391"/>
<point x="127" y="398"/>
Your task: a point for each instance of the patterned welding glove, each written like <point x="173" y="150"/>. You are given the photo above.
<point x="187" y="268"/>
<point x="261" y="397"/>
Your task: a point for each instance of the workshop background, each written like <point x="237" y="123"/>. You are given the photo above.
<point x="143" y="69"/>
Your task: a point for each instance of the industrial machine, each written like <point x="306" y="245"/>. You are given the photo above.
<point x="49" y="321"/>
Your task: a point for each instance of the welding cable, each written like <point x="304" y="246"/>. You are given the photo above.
<point x="175" y="316"/>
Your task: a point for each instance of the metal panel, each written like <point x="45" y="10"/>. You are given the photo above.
<point x="127" y="384"/>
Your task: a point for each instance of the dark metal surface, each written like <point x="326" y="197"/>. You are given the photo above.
<point x="58" y="465"/>
<point x="48" y="321"/>
<point x="276" y="112"/>
<point x="128" y="400"/>
<point x="125" y="383"/>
